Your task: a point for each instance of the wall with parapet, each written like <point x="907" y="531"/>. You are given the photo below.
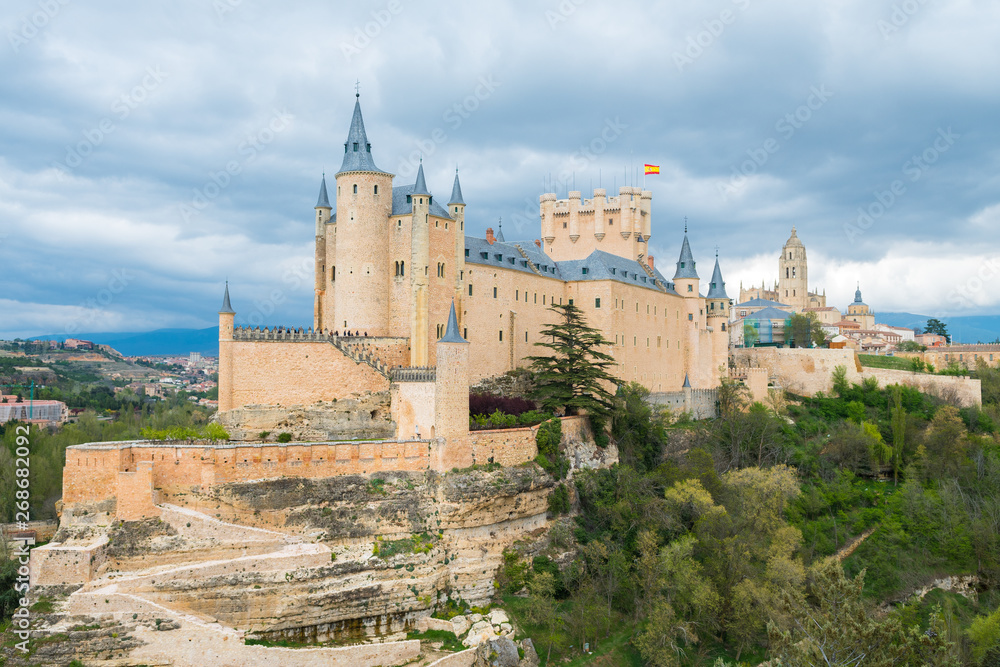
<point x="808" y="371"/>
<point x="701" y="403"/>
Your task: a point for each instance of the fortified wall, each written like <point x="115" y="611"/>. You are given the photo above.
<point x="806" y="371"/>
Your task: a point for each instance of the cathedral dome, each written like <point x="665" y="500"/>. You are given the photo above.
<point x="793" y="240"/>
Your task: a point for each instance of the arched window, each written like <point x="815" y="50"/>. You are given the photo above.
<point x="355" y="185"/>
<point x="376" y="189"/>
<point x="402" y="268"/>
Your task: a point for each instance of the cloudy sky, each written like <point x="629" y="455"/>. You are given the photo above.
<point x="149" y="151"/>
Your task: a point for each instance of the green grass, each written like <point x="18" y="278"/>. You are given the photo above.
<point x="879" y="361"/>
<point x="449" y="642"/>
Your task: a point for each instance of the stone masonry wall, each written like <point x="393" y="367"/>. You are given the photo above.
<point x="297" y="373"/>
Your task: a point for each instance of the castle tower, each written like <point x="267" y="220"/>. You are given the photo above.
<point x="323" y="215"/>
<point x="718" y="305"/>
<point x="793" y="274"/>
<point x="420" y="271"/>
<point x="686" y="285"/>
<point x="227" y="318"/>
<point x="364" y="203"/>
<point x="451" y="389"/>
<point x="457" y="205"/>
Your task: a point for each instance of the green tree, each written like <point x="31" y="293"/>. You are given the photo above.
<point x="575" y="376"/>
<point x="936" y="326"/>
<point x="639" y="428"/>
<point x="806" y="330"/>
<point x="750" y="335"/>
<point x="840" y="385"/>
<point x="898" y="431"/>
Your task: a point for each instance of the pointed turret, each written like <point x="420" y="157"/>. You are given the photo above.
<point x="451" y="334"/>
<point x="685" y="264"/>
<point x="500" y="237"/>
<point x="717" y="288"/>
<point x="420" y="187"/>
<point x="324" y="198"/>
<point x="456" y="192"/>
<point x="357" y="149"/>
<point x="227" y="308"/>
<point x="687" y="382"/>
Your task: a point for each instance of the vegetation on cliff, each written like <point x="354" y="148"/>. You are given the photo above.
<point x="796" y="532"/>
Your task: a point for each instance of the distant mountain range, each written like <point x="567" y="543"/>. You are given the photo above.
<point x="153" y="343"/>
<point x="965" y="329"/>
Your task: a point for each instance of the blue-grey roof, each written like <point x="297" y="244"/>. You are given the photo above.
<point x="600" y="265"/>
<point x="451" y="334"/>
<point x="357" y="150"/>
<point x="769" y="314"/>
<point x="324" y="199"/>
<point x="685" y="264"/>
<point x="687" y="382"/>
<point x="227" y="307"/>
<point x="766" y="303"/>
<point x="717" y="288"/>
<point x="402" y="206"/>
<point x="456" y="192"/>
<point x="857" y="298"/>
<point x="500" y="237"/>
<point x="420" y="187"/>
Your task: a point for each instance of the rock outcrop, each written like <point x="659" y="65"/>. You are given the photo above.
<point x="362" y="417"/>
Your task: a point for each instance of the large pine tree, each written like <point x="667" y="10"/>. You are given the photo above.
<point x="575" y="376"/>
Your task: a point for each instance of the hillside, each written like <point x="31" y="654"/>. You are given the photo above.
<point x="964" y="329"/>
<point x="153" y="343"/>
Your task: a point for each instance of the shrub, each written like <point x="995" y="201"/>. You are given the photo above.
<point x="559" y="500"/>
<point x="549" y="457"/>
<point x="284" y="437"/>
<point x="487" y="404"/>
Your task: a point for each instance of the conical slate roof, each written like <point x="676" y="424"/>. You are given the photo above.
<point x="451" y="334"/>
<point x="324" y="199"/>
<point x="227" y="308"/>
<point x="685" y="265"/>
<point x="687" y="382"/>
<point x="357" y="150"/>
<point x="456" y="192"/>
<point x="499" y="236"/>
<point x="717" y="288"/>
<point x="420" y="187"/>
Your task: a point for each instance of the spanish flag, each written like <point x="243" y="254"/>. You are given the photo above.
<point x="652" y="169"/>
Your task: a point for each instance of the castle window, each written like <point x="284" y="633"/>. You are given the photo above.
<point x="564" y="225"/>
<point x="525" y="336"/>
<point x="409" y="199"/>
<point x="465" y="333"/>
<point x="376" y="189"/>
<point x="368" y="147"/>
<point x="466" y="252"/>
<point x="793" y="292"/>
<point x="657" y="341"/>
<point x="399" y="223"/>
<point x="611" y="222"/>
<point x="585" y="270"/>
<point x="570" y="301"/>
<point x="484" y="255"/>
<point x="470" y="289"/>
<point x="690" y="317"/>
<point x="517" y="295"/>
<point x="543" y="299"/>
<point x="437" y="223"/>
<point x="333" y="274"/>
<point x="614" y="271"/>
<point x="501" y="335"/>
<point x="690" y="288"/>
<point x="682" y="265"/>
<point x="456" y="209"/>
<point x="536" y="301"/>
<point x="510" y="259"/>
<point x="635" y="341"/>
<point x="440" y="330"/>
<point x="494" y="292"/>
<point x="786" y="271"/>
<point x="723" y="326"/>
<point x="713" y="305"/>
<point x="498" y="257"/>
<point x="355" y="185"/>
<point x="355" y="147"/>
<point x="793" y="272"/>
<point x="597" y="302"/>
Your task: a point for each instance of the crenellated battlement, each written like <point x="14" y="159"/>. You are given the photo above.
<point x="413" y="374"/>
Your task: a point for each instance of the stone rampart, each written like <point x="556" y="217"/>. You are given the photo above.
<point x="701" y="403"/>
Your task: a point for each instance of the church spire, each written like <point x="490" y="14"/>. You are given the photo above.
<point x="357" y="149"/>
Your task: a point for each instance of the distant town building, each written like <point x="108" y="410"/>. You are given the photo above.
<point x="36" y="412"/>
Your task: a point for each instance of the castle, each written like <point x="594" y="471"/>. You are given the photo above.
<point x="410" y="307"/>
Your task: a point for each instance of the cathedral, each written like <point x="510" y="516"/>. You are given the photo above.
<point x="792" y="287"/>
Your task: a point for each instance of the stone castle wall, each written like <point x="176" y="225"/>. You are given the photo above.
<point x="808" y="371"/>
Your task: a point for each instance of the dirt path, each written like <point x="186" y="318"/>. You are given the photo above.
<point x="848" y="549"/>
